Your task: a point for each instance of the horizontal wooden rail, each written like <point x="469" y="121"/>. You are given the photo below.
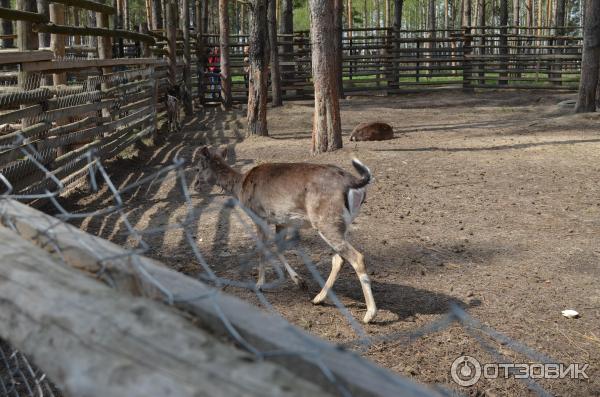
<point x="88" y="31"/>
<point x="18" y="15"/>
<point x="88" y="5"/>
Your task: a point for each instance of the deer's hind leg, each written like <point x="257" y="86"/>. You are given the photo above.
<point x="335" y="236"/>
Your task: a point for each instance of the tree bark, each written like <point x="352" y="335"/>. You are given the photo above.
<point x="386" y="21"/>
<point x="466" y="19"/>
<point x="590" y="61"/>
<point x="200" y="48"/>
<point x="187" y="58"/>
<point x="274" y="58"/>
<point x="171" y="26"/>
<point x="327" y="132"/>
<point x="224" y="51"/>
<point x="431" y="18"/>
<point x="503" y="40"/>
<point x="286" y="27"/>
<point x="398" y="5"/>
<point x="559" y="19"/>
<point x="338" y="7"/>
<point x="258" y="74"/>
<point x="157" y="14"/>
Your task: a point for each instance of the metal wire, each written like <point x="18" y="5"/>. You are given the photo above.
<point x="19" y="378"/>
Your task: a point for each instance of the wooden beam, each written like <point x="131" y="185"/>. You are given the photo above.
<point x="264" y="331"/>
<point x="88" y="5"/>
<point x="88" y="63"/>
<point x="94" y="342"/>
<point x="11" y="57"/>
<point x="88" y="31"/>
<point x="18" y="15"/>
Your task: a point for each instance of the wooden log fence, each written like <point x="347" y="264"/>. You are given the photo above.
<point x="111" y="307"/>
<point x="373" y="60"/>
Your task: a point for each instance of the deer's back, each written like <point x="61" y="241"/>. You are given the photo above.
<point x="284" y="192"/>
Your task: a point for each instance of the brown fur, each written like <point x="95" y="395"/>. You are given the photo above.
<point x="298" y="195"/>
<point x="374" y="131"/>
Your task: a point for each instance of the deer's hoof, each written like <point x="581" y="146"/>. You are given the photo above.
<point x="300" y="283"/>
<point x="319" y="298"/>
<point x="259" y="286"/>
<point x="369" y="316"/>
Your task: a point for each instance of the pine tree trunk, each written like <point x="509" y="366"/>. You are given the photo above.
<point x="446" y="15"/>
<point x="559" y="19"/>
<point x="516" y="14"/>
<point x="126" y="16"/>
<point x="187" y="58"/>
<point x="171" y="27"/>
<point x="274" y="57"/>
<point x="398" y="5"/>
<point x="386" y="22"/>
<point x="327" y="132"/>
<point x="200" y="49"/>
<point x="590" y="61"/>
<point x="503" y="41"/>
<point x="224" y="50"/>
<point x="338" y="9"/>
<point x="157" y="14"/>
<point x="466" y="19"/>
<point x="258" y="74"/>
<point x="431" y="16"/>
<point x="286" y="27"/>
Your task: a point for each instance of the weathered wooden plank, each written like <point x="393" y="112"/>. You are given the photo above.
<point x="87" y="63"/>
<point x="88" y="5"/>
<point x="16" y="115"/>
<point x="10" y="57"/>
<point x="18" y="15"/>
<point x="93" y="342"/>
<point x="88" y="31"/>
<point x="262" y="330"/>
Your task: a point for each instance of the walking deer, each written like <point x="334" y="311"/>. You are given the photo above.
<point x="324" y="197"/>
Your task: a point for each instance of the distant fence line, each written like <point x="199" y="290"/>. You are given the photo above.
<point x="412" y="60"/>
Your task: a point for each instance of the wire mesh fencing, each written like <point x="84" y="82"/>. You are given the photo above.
<point x="20" y="378"/>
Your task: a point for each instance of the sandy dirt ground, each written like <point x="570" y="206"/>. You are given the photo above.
<point x="489" y="201"/>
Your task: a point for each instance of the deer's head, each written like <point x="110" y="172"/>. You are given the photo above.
<point x="210" y="167"/>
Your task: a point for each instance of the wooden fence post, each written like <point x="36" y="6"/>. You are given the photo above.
<point x="466" y="62"/>
<point x="171" y="27"/>
<point x="200" y="49"/>
<point x="57" y="41"/>
<point x="27" y="40"/>
<point x="187" y="59"/>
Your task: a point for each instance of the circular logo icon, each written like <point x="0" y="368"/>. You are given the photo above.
<point x="465" y="371"/>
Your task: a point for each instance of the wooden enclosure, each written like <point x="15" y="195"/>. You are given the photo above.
<point x="103" y="89"/>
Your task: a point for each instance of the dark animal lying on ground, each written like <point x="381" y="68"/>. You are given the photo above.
<point x="373" y="131"/>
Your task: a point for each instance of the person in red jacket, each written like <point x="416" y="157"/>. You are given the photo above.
<point x="214" y="58"/>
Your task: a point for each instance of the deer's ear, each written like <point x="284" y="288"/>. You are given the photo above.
<point x="222" y="152"/>
<point x="205" y="152"/>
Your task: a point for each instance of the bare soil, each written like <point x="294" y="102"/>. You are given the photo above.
<point x="487" y="200"/>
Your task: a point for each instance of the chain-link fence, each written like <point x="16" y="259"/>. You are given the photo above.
<point x="20" y="378"/>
